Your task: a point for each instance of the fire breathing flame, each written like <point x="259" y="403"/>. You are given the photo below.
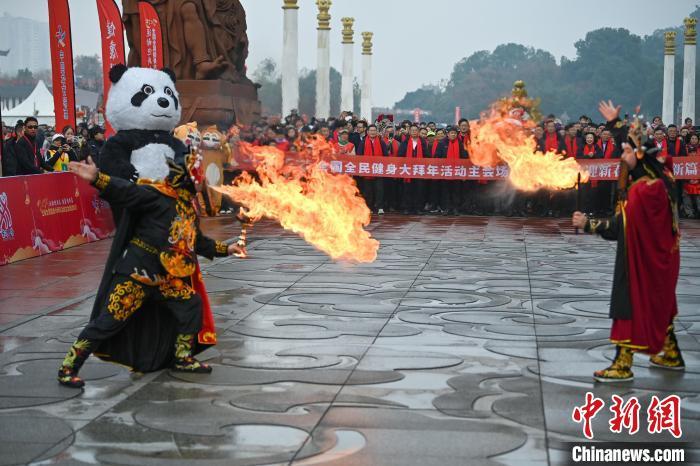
<point x="496" y="138"/>
<point x="323" y="208"/>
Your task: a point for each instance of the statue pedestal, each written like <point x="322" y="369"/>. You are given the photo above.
<point x="218" y="102"/>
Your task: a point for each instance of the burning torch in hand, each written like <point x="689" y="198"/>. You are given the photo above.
<point x="247" y="223"/>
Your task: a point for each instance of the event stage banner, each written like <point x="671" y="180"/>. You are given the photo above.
<point x="112" y="35"/>
<point x="61" y="63"/>
<point x="41" y="214"/>
<point x="443" y="169"/>
<point x="684" y="168"/>
<point x="151" y="38"/>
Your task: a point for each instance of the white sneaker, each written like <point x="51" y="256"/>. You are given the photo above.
<point x="380" y="212"/>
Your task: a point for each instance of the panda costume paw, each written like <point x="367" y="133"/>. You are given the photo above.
<point x="143" y="106"/>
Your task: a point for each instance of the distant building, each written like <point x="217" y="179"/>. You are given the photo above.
<point x="27" y="42"/>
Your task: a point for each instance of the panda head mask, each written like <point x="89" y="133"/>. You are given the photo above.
<point x="142" y="98"/>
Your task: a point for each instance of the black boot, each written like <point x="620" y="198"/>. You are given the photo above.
<point x="74" y="360"/>
<point x="670" y="356"/>
<point x="184" y="361"/>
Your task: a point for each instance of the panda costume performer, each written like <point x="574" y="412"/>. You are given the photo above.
<point x="151" y="309"/>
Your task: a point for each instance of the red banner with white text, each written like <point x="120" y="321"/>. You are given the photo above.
<point x="684" y="168"/>
<point x="443" y="169"/>
<point x="151" y="38"/>
<point x="112" y="36"/>
<point x="61" y="63"/>
<point x="41" y="214"/>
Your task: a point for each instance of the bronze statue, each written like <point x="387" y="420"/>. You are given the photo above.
<point x="202" y="39"/>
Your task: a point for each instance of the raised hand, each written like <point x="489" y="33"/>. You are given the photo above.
<point x="609" y="111"/>
<point x="579" y="220"/>
<point x="85" y="170"/>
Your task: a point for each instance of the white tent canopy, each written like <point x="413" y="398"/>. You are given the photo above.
<point x="39" y="104"/>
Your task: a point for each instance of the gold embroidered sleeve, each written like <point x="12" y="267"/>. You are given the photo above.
<point x="221" y="248"/>
<point x="607" y="228"/>
<point x="102" y="181"/>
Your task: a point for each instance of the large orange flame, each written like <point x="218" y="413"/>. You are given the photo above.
<point x="496" y="137"/>
<point x="325" y="209"/>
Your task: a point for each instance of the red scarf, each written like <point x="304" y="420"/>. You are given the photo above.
<point x="664" y="147"/>
<point x="589" y="150"/>
<point x="609" y="148"/>
<point x="551" y="142"/>
<point x="434" y="148"/>
<point x="373" y="146"/>
<point x="571" y="146"/>
<point x="419" y="149"/>
<point x="392" y="146"/>
<point x="453" y="150"/>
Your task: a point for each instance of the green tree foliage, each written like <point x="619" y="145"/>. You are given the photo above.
<point x="270" y="93"/>
<point x="609" y="63"/>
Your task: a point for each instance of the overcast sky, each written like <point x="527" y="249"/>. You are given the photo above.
<point x="415" y="41"/>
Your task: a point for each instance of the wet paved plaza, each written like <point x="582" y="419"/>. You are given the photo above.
<point x="468" y="341"/>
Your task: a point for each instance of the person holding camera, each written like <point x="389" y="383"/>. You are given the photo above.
<point x="60" y="153"/>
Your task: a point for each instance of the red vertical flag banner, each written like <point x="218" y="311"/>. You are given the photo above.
<point x="112" y="34"/>
<point x="61" y="63"/>
<point x="151" y="39"/>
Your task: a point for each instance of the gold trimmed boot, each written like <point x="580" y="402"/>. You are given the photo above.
<point x="184" y="361"/>
<point x="74" y="360"/>
<point x="670" y="357"/>
<point x="620" y="370"/>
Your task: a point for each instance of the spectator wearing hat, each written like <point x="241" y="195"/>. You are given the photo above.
<point x="343" y="145"/>
<point x="59" y="154"/>
<point x="96" y="139"/>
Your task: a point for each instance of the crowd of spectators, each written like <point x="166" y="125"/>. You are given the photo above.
<point x="30" y="149"/>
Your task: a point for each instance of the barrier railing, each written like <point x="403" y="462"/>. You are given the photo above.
<point x="41" y="214"/>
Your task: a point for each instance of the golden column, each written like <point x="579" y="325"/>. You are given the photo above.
<point x="323" y="60"/>
<point x="366" y="100"/>
<point x="346" y="95"/>
<point x="689" y="41"/>
<point x="669" y="73"/>
<point x="290" y="57"/>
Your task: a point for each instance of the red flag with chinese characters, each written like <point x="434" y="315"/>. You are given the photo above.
<point x="151" y="39"/>
<point x="61" y="63"/>
<point x="112" y="34"/>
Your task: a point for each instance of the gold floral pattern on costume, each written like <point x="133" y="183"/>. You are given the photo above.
<point x="176" y="288"/>
<point x="102" y="181"/>
<point x="221" y="247"/>
<point x="178" y="260"/>
<point x="126" y="298"/>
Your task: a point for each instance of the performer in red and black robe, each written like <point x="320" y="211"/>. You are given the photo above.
<point x="645" y="226"/>
<point x="151" y="310"/>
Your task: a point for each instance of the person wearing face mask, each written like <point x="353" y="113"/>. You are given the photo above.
<point x="643" y="303"/>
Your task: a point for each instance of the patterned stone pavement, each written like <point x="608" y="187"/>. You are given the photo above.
<point x="468" y="342"/>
